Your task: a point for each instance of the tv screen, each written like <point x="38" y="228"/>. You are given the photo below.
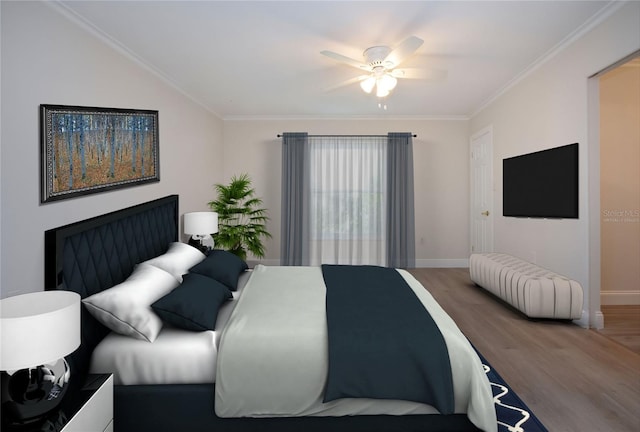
<point x="543" y="184"/>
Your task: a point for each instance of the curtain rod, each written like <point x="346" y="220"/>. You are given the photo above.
<point x="337" y="136"/>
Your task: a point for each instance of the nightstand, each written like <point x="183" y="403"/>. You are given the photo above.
<point x="89" y="409"/>
<point x="92" y="409"/>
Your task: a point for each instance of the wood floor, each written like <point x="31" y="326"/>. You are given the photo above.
<point x="622" y="324"/>
<point x="573" y="379"/>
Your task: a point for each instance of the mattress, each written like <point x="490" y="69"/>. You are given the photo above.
<point x="177" y="356"/>
<point x="273" y="358"/>
<point x="184" y="357"/>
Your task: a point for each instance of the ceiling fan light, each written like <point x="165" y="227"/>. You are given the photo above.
<point x="389" y="81"/>
<point x="381" y="90"/>
<point x="368" y="84"/>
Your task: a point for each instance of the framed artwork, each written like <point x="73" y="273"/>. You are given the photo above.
<point x="86" y="150"/>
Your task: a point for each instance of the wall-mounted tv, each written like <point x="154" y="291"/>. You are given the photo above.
<point x="543" y="184"/>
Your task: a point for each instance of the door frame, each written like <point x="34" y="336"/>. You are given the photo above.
<point x="488" y="130"/>
<point x="595" y="318"/>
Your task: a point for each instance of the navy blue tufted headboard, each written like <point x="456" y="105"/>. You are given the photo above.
<point x="95" y="254"/>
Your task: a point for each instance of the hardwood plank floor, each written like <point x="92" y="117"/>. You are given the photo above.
<point x="573" y="379"/>
<point x="622" y="324"/>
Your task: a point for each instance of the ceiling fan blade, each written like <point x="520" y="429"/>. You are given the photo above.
<point x="345" y="59"/>
<point x="347" y="82"/>
<point x="404" y="50"/>
<point x="423" y="74"/>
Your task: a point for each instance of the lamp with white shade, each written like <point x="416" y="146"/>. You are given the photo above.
<point x="200" y="225"/>
<point x="36" y="331"/>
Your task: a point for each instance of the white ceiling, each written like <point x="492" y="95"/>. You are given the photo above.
<point x="262" y="58"/>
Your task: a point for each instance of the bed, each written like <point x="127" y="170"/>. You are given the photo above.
<point x="91" y="256"/>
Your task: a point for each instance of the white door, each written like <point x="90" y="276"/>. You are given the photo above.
<point x="482" y="191"/>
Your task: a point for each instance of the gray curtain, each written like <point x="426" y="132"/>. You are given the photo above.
<point x="401" y="243"/>
<point x="294" y="248"/>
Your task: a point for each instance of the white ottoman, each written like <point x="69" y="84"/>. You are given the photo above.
<point x="535" y="291"/>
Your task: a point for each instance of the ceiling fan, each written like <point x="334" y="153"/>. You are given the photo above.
<point x="380" y="63"/>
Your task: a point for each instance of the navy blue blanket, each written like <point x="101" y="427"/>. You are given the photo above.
<point x="383" y="344"/>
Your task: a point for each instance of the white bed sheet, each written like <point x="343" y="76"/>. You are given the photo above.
<point x="177" y="356"/>
<point x="273" y="356"/>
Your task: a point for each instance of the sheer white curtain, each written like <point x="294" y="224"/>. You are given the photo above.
<point x="348" y="205"/>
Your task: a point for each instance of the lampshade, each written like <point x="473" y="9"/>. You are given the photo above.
<point x="388" y="81"/>
<point x="38" y="328"/>
<point x="368" y="84"/>
<point x="200" y="223"/>
<point x="381" y="90"/>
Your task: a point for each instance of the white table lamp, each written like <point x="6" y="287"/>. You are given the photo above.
<point x="36" y="331"/>
<point x="200" y="225"/>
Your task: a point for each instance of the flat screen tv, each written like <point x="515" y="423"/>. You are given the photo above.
<point x="543" y="184"/>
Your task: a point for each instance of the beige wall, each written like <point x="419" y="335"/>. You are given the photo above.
<point x="47" y="59"/>
<point x="549" y="108"/>
<point x="620" y="184"/>
<point x="441" y="161"/>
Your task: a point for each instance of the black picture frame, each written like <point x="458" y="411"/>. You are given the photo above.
<point x="86" y="150"/>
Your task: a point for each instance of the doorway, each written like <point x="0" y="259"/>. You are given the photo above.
<point x="620" y="184"/>
<point x="616" y="176"/>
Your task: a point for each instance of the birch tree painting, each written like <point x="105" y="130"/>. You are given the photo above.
<point x="87" y="150"/>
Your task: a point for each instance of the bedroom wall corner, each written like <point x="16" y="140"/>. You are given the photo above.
<point x="48" y="58"/>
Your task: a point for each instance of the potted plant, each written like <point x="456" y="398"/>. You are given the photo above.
<point x="241" y="220"/>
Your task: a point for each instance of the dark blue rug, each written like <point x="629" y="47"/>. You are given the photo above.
<point x="513" y="414"/>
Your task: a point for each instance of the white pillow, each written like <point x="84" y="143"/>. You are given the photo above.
<point x="126" y="307"/>
<point x="178" y="259"/>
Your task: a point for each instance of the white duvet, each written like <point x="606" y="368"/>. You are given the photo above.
<point x="272" y="358"/>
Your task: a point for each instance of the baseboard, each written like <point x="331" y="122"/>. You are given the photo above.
<point x="420" y="263"/>
<point x="598" y="321"/>
<point x="620" y="297"/>
<point x="584" y="320"/>
<point x="442" y="263"/>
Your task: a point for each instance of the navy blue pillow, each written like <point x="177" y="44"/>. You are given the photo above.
<point x="222" y="266"/>
<point x="194" y="304"/>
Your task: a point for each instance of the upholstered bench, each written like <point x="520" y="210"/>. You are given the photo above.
<point x="535" y="291"/>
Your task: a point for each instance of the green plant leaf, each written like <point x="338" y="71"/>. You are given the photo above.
<point x="241" y="220"/>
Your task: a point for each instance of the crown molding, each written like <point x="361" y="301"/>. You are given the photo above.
<point x="600" y="16"/>
<point x="119" y="47"/>
<point x="112" y="42"/>
<point x="346" y="117"/>
<point x="116" y="45"/>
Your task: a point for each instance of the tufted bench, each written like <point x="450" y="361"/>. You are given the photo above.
<point x="535" y="291"/>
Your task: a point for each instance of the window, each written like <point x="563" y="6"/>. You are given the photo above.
<point x="347" y="203"/>
<point x="347" y="200"/>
